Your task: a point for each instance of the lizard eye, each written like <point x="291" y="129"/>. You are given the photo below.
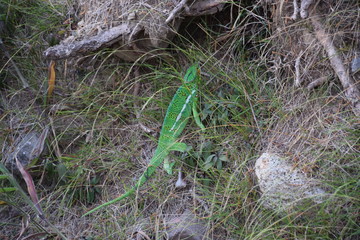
<point x="192" y="73"/>
<point x="189" y="76"/>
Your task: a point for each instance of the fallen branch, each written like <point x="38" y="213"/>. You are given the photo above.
<point x="351" y="91"/>
<point x="205" y="7"/>
<point x="176" y="9"/>
<point x="105" y="39"/>
<point x="316" y="83"/>
<point x="298" y="80"/>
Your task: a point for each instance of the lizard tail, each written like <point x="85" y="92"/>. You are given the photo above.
<point x="128" y="193"/>
<point x="159" y="155"/>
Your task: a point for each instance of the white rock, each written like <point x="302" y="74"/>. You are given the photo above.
<point x="282" y="185"/>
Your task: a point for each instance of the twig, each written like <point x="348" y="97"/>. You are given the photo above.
<point x="176" y="9"/>
<point x="205" y="7"/>
<point x="351" y="91"/>
<point x="316" y="83"/>
<point x="104" y="39"/>
<point x="143" y="235"/>
<point x="297" y="70"/>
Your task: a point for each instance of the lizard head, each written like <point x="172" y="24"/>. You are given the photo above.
<point x="192" y="74"/>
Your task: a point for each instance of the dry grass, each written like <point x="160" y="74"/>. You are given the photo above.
<point x="105" y="117"/>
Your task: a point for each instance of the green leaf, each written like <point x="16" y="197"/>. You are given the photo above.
<point x="94" y="181"/>
<point x="224" y="158"/>
<point x="207" y="166"/>
<point x="210" y="158"/>
<point x="61" y="170"/>
<point x="3" y="177"/>
<point x="7" y="189"/>
<point x="219" y="165"/>
<point x="90" y="195"/>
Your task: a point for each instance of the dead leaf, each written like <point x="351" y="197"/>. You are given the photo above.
<point x="51" y="80"/>
<point x="24" y="226"/>
<point x="30" y="186"/>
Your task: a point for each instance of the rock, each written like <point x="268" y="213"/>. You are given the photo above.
<point x="26" y="148"/>
<point x="355" y="65"/>
<point x="185" y="226"/>
<point x="282" y="185"/>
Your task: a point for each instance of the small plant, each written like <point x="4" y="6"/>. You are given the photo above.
<point x="73" y="181"/>
<point x="6" y="189"/>
<point x="218" y="110"/>
<point x="215" y="159"/>
<point x="87" y="194"/>
<point x="209" y="156"/>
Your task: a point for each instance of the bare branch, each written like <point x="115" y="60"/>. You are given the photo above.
<point x="351" y="91"/>
<point x="316" y="83"/>
<point x="297" y="70"/>
<point x="177" y="9"/>
<point x="104" y="39"/>
<point x="205" y="7"/>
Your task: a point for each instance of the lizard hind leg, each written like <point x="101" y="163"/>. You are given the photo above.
<point x="177" y="146"/>
<point x="197" y="117"/>
<point x="168" y="166"/>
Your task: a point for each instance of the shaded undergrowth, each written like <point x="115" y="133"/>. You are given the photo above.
<point x="105" y="116"/>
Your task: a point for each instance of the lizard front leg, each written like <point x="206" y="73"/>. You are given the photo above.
<point x="196" y="115"/>
<point x="177" y="146"/>
<point x="181" y="147"/>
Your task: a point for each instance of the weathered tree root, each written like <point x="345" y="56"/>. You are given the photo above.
<point x="90" y="44"/>
<point x="351" y="91"/>
<point x="316" y="82"/>
<point x="175" y="11"/>
<point x="130" y="43"/>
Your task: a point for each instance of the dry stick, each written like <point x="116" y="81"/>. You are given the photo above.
<point x="91" y="44"/>
<point x="317" y="82"/>
<point x="143" y="234"/>
<point x="176" y="9"/>
<point x="352" y="93"/>
<point x="199" y="8"/>
<point x="298" y="80"/>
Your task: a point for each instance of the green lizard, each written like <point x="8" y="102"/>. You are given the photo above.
<point x="178" y="113"/>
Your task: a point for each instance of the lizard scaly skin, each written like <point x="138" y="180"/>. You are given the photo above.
<point x="177" y="115"/>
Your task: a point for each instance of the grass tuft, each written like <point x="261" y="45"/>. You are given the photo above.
<point x="105" y="116"/>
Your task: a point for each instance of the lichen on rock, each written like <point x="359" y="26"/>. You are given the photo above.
<point x="282" y="185"/>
